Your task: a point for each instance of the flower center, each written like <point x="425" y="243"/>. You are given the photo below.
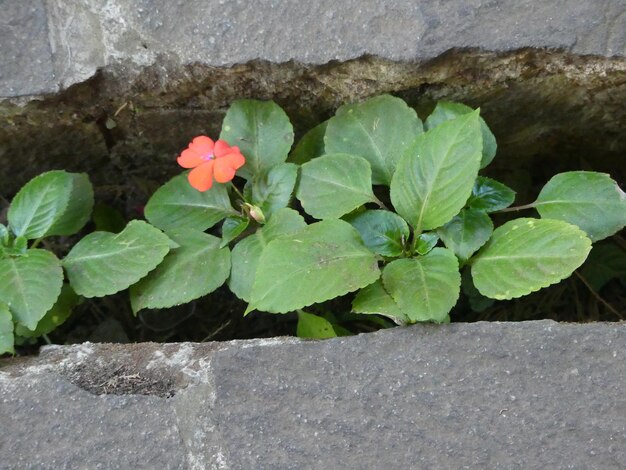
<point x="208" y="156"/>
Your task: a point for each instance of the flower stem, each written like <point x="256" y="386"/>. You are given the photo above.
<point x="238" y="192"/>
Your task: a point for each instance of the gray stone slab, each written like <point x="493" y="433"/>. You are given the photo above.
<point x="528" y="395"/>
<point x="87" y="34"/>
<point x="25" y="57"/>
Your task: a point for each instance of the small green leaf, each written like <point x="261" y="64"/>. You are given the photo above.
<point x="466" y="233"/>
<point x="435" y="177"/>
<point x="446" y="110"/>
<point x="232" y="228"/>
<point x="30" y="285"/>
<point x="178" y="205"/>
<point x="262" y="131"/>
<point x="342" y="331"/>
<point x="320" y="262"/>
<point x="107" y="219"/>
<point x="490" y="195"/>
<point x="525" y="255"/>
<point x="379" y="129"/>
<point x="246" y="253"/>
<point x="20" y="244"/>
<point x="375" y="300"/>
<point x="6" y="330"/>
<point x="592" y="201"/>
<point x="333" y="185"/>
<point x="53" y="203"/>
<point x="5" y="235"/>
<point x="426" y="242"/>
<point x="314" y="327"/>
<point x="477" y="301"/>
<point x="382" y="231"/>
<point x="196" y="268"/>
<point x="54" y="317"/>
<point x="606" y="262"/>
<point x="310" y="146"/>
<point x="271" y="189"/>
<point x="78" y="211"/>
<point x="103" y="263"/>
<point x="425" y="288"/>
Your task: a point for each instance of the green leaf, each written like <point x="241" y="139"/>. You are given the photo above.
<point x="246" y="253"/>
<point x="310" y="146"/>
<point x="426" y="242"/>
<point x="320" y="262"/>
<point x="466" y="233"/>
<point x="232" y="228"/>
<point x="314" y="327"/>
<point x="477" y="301"/>
<point x="55" y="317"/>
<point x="30" y="285"/>
<point x="53" y="203"/>
<point x="375" y="300"/>
<point x="333" y="185"/>
<point x="20" y="245"/>
<point x="446" y="110"/>
<point x="382" y="231"/>
<point x="435" y="177"/>
<point x="196" y="268"/>
<point x="262" y="131"/>
<point x="103" y="263"/>
<point x="107" y="219"/>
<point x="425" y="288"/>
<point x="525" y="255"/>
<point x="490" y="195"/>
<point x="177" y="205"/>
<point x="271" y="189"/>
<point x="589" y="200"/>
<point x="606" y="262"/>
<point x="78" y="211"/>
<point x="379" y="129"/>
<point x="5" y="235"/>
<point x="6" y="330"/>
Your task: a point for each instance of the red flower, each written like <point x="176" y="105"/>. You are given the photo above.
<point x="210" y="160"/>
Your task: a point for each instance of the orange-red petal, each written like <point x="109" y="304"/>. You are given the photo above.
<point x="236" y="159"/>
<point x="223" y="171"/>
<point x="190" y="159"/>
<point x="203" y="145"/>
<point x="201" y="177"/>
<point x="221" y="148"/>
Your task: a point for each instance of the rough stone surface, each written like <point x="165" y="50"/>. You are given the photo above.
<point x="485" y="395"/>
<point x="88" y="34"/>
<point x="27" y="65"/>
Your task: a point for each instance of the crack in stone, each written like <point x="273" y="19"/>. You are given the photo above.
<point x="565" y="106"/>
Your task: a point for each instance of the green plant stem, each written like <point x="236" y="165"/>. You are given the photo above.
<point x="237" y="191"/>
<point x="517" y="208"/>
<point x="36" y="243"/>
<point x="416" y="236"/>
<point x="597" y="296"/>
<point x="46" y="339"/>
<point x="380" y="203"/>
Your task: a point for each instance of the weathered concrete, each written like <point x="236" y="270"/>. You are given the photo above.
<point x="487" y="395"/>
